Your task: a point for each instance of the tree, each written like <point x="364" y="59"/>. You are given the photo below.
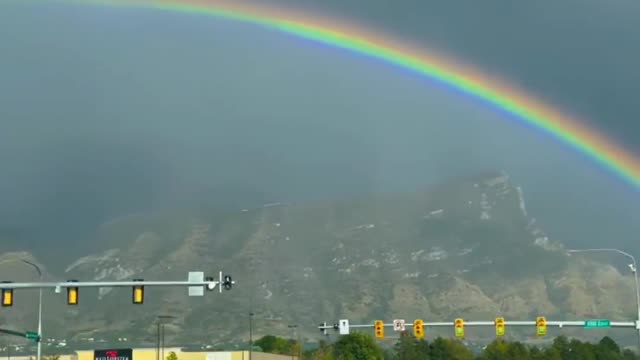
<point x="172" y="356"/>
<point x="357" y="346"/>
<point x="496" y="350"/>
<point x="274" y="345"/>
<point x="629" y="355"/>
<point x="410" y="348"/>
<point x="441" y="349"/>
<point x="323" y="352"/>
<point x="607" y="349"/>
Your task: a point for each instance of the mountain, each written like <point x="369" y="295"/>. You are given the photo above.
<point x="466" y="247"/>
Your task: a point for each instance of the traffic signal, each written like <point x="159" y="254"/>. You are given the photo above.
<point x="499" y="326"/>
<point x="7" y="296"/>
<point x="458" y="327"/>
<point x="418" y="329"/>
<point x="541" y="326"/>
<point x="379" y="329"/>
<point x="138" y="293"/>
<point x="72" y="294"/>
<point x="323" y="327"/>
<point x="227" y="283"/>
<point x="210" y="280"/>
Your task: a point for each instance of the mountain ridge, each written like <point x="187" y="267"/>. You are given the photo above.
<point x="465" y="247"/>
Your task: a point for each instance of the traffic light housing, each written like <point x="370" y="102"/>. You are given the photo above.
<point x="379" y="329"/>
<point x="499" y="322"/>
<point x="138" y="293"/>
<point x="72" y="294"/>
<point x="418" y="329"/>
<point x="323" y="328"/>
<point x="458" y="328"/>
<point x="227" y="283"/>
<point x="7" y="296"/>
<point x="209" y="279"/>
<point x="541" y="326"/>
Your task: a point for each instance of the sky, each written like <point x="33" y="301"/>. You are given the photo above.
<point x="107" y="112"/>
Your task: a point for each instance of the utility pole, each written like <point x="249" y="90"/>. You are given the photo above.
<point x="250" y="334"/>
<point x="293" y="337"/>
<point x="161" y="332"/>
<point x="39" y="271"/>
<point x="158" y="343"/>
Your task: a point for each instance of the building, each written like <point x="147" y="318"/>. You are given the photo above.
<point x="151" y="354"/>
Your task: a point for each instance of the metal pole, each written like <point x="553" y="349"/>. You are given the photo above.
<point x="39" y="346"/>
<point x="158" y="342"/>
<point x="299" y="346"/>
<point x="39" y="351"/>
<point x="162" y="342"/>
<point x="250" y="335"/>
<point x="37" y="268"/>
<point x="293" y="337"/>
<point x="635" y="273"/>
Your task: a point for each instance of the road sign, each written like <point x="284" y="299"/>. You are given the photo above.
<point x="344" y="327"/>
<point x="398" y="325"/>
<point x="196" y="277"/>
<point x="113" y="354"/>
<point x="597" y="323"/>
<point x="32" y="335"/>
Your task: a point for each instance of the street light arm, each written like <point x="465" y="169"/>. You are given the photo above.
<point x="633" y="259"/>
<point x="34" y="266"/>
<point x="635" y="275"/>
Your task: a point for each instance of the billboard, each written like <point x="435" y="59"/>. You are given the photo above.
<point x="113" y="354"/>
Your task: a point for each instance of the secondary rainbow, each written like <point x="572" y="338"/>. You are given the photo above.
<point x="492" y="91"/>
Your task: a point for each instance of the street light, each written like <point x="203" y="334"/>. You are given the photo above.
<point x="634" y="269"/>
<point x="250" y="334"/>
<point x="161" y="334"/>
<point x="37" y="268"/>
<point x="293" y="336"/>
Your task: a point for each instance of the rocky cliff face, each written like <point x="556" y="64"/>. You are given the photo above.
<point x="467" y="248"/>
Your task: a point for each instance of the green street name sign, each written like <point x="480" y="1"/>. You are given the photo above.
<point x="592" y="324"/>
<point x="31" y="335"/>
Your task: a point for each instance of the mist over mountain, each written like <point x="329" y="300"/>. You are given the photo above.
<point x="108" y="112"/>
<point x="467" y="247"/>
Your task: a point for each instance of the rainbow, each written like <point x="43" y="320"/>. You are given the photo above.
<point x="524" y="107"/>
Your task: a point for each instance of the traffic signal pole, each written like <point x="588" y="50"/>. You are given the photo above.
<point x="588" y="324"/>
<point x="196" y="285"/>
<point x="59" y="285"/>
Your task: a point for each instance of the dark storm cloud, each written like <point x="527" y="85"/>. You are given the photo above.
<point x="581" y="55"/>
<point x="110" y="112"/>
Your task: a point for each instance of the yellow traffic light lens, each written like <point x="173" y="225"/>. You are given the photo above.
<point x="138" y="295"/>
<point x="418" y="330"/>
<point x="379" y="329"/>
<point x="72" y="296"/>
<point x="7" y="297"/>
